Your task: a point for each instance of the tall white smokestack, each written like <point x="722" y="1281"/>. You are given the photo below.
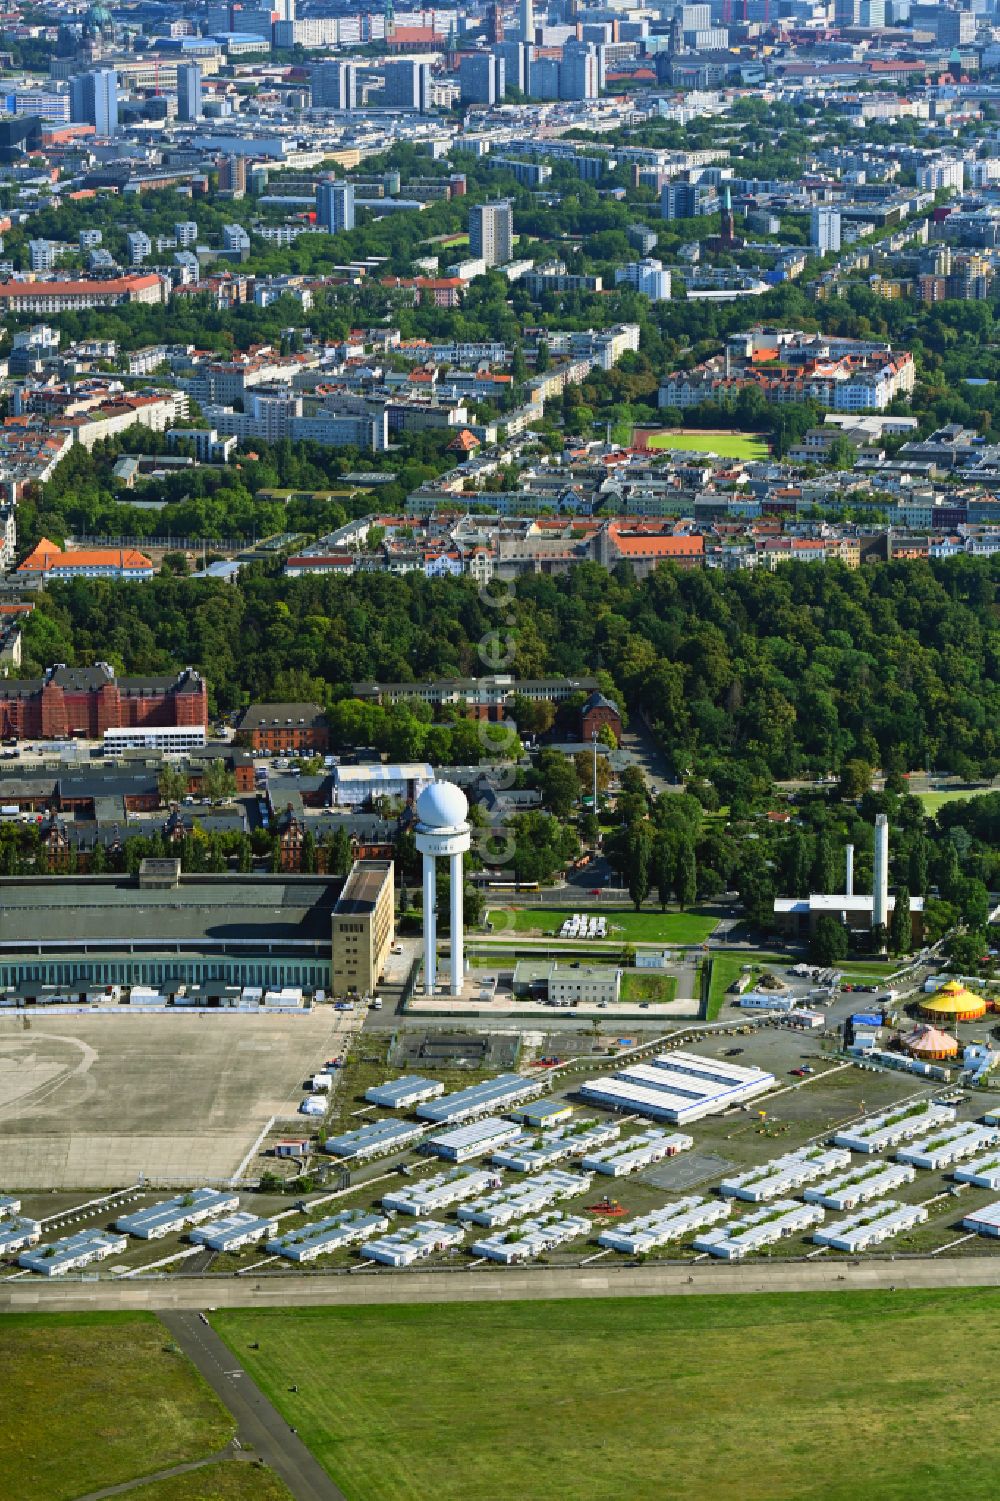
<point x="849" y="873"/>
<point x="880" y="877"/>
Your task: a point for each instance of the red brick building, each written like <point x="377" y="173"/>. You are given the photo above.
<point x="597" y="712"/>
<point x="86" y="701"/>
<point x="285" y="727"/>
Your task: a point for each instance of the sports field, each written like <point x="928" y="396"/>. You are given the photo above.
<point x="765" y="1398"/>
<point x="94" y="1400"/>
<point x="932" y="801"/>
<point x="623" y="927"/>
<point x="728" y="445"/>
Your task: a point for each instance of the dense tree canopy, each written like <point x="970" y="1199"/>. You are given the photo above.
<point x="802" y="671"/>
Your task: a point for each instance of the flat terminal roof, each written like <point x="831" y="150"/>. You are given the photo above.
<point x="205" y="909"/>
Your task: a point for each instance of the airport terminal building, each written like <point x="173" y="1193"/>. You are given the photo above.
<point x="161" y="928"/>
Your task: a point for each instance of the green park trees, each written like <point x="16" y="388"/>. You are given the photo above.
<point x="828" y="945"/>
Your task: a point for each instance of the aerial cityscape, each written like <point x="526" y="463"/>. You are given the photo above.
<point x="499" y="750"/>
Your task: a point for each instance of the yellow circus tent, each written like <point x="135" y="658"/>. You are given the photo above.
<point x="930" y="1042"/>
<point x="952" y="1003"/>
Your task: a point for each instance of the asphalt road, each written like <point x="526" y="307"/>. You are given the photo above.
<point x="601" y="1279"/>
<point x="259" y="1424"/>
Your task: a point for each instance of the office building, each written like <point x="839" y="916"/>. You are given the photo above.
<point x="334" y="86"/>
<point x="189" y="92"/>
<point x="579" y="72"/>
<point x="526" y="15"/>
<point x="491" y="233"/>
<point x="363" y="928"/>
<point x="482" y="78"/>
<point x="408" y="86"/>
<point x="94" y="100"/>
<point x="334" y="206"/>
<point x="824" y="230"/>
<point x="543" y="77"/>
<point x="515" y="61"/>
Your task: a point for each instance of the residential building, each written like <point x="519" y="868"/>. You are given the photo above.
<point x="408" y="86"/>
<point x="580" y="71"/>
<point x="335" y="206"/>
<point x="646" y="276"/>
<point x="140" y="246"/>
<point x="233" y="176"/>
<point x="482" y="78"/>
<point x="824" y="229"/>
<point x="491" y="232"/>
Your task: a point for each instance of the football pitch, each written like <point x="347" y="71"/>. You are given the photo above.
<point x="727" y="445"/>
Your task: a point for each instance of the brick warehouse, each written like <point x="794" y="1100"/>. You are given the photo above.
<point x="86" y="701"/>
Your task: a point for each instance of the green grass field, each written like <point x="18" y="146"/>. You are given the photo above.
<point x="932" y="801"/>
<point x="623" y="927"/>
<point x="222" y="1482"/>
<point x="765" y="1398"/>
<point x="647" y="985"/>
<point x="93" y="1400"/>
<point x="727" y="445"/>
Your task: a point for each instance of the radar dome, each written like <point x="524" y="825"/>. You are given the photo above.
<point x="442" y="805"/>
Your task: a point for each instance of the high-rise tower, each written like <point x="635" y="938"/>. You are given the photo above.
<point x="527" y="21"/>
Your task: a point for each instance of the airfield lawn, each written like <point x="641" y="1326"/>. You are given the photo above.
<point x="239" y="1481"/>
<point x="97" y="1399"/>
<point x="768" y="1398"/>
<point x="727" y="445"/>
<point x="623" y="927"/>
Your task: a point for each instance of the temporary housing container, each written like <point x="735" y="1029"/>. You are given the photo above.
<point x="409" y="1243"/>
<point x="870" y="1180"/>
<point x="631" y="1153"/>
<point x="531" y="1238"/>
<point x="672" y="1222"/>
<point x="870" y="1226"/>
<point x="765" y="1226"/>
<point x="431" y="1195"/>
<point x="784" y="1175"/>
